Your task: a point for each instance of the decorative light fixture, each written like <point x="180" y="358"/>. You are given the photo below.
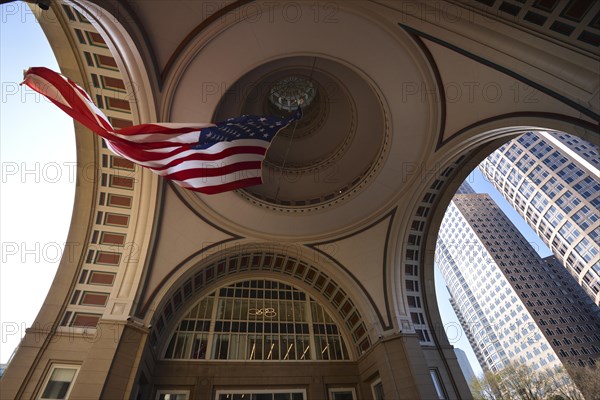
<point x="267" y="312"/>
<point x="291" y="92"/>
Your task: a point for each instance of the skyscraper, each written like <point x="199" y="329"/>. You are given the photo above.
<point x="551" y="179"/>
<point x="514" y="305"/>
<point x="465" y="366"/>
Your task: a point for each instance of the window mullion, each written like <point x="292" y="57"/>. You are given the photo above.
<point x="264" y="334"/>
<point x="211" y="329"/>
<point x="311" y="332"/>
<point x="293" y="309"/>
<point x="328" y="342"/>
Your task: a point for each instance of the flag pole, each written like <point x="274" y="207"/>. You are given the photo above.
<point x="287" y="152"/>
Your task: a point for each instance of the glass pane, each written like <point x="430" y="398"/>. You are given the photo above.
<point x="335" y="349"/>
<point x="316" y="316"/>
<point x="63" y="374"/>
<point x="239" y="311"/>
<point x="59" y="383"/>
<point x="378" y="391"/>
<point x="288" y="348"/>
<point x="56" y="390"/>
<point x="437" y="383"/>
<point x="343" y="395"/>
<point x="267" y="320"/>
<point x="199" y="347"/>
<point x="221" y="347"/>
<point x="238" y="347"/>
<point x="286" y="311"/>
<point x="174" y="396"/>
<point x="271" y="309"/>
<point x="225" y="309"/>
<point x="206" y="311"/>
<point x="171" y="347"/>
<point x="303" y="345"/>
<point x="322" y="348"/>
<point x="344" y="350"/>
<point x="193" y="312"/>
<point x="272" y="347"/>
<point x="256" y="348"/>
<point x="326" y="316"/>
<point x="183" y="345"/>
<point x="299" y="312"/>
<point x="253" y="309"/>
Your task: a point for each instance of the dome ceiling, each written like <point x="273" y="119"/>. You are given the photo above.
<point x="330" y="151"/>
<point x="333" y="167"/>
<point x="390" y="92"/>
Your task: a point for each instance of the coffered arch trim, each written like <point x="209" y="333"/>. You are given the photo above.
<point x="263" y="261"/>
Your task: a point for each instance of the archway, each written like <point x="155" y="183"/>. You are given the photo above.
<point x="475" y="157"/>
<point x="269" y="281"/>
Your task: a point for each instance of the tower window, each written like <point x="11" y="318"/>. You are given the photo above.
<point x="59" y="382"/>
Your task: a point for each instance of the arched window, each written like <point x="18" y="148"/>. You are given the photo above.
<point x="257" y="320"/>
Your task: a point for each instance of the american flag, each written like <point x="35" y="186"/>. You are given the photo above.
<point x="207" y="158"/>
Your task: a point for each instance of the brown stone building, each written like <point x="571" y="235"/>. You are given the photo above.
<point x="317" y="284"/>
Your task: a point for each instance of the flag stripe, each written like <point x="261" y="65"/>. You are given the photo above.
<point x="204" y="157"/>
<point x="205" y="183"/>
<point x="166" y="160"/>
<point x="81" y="107"/>
<point x="225" y="187"/>
<point x="190" y="162"/>
<point x="57" y="90"/>
<point x="213" y="171"/>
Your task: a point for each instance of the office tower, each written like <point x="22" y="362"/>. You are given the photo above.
<point x="552" y="180"/>
<point x="470" y="332"/>
<point x="465" y="365"/>
<point x="514" y="305"/>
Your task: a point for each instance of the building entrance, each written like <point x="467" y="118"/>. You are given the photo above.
<point x="257" y="394"/>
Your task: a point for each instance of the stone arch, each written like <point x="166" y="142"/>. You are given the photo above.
<point x="94" y="49"/>
<point x="210" y="290"/>
<point x="109" y="188"/>
<point x="115" y="22"/>
<point x="439" y="183"/>
<point x="198" y="281"/>
<point x="417" y="233"/>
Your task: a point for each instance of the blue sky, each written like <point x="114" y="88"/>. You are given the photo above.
<point x="37" y="158"/>
<point x="37" y="154"/>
